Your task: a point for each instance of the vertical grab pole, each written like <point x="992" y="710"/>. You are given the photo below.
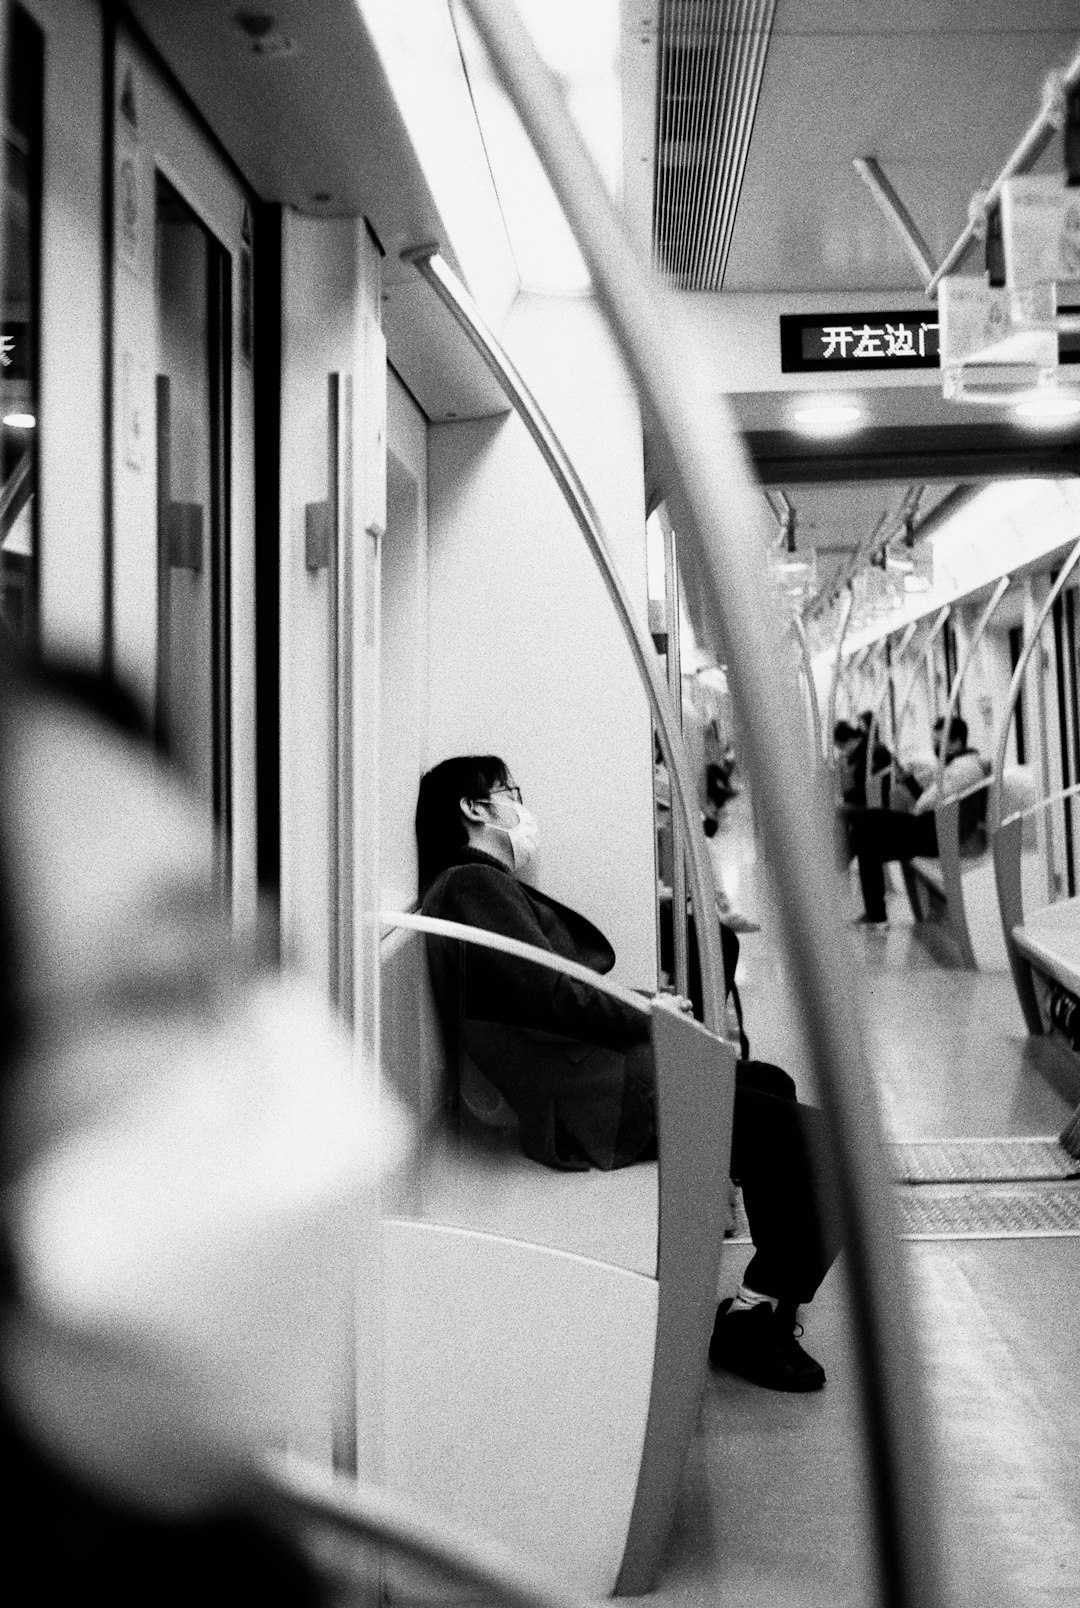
<point x="838" y="660"/>
<point x="333" y="726"/>
<point x="913" y="681"/>
<point x="721" y="521"/>
<point x="674" y="676"/>
<point x="962" y="669"/>
<point x="888" y="695"/>
<point x="811" y="690"/>
<point x="993" y="810"/>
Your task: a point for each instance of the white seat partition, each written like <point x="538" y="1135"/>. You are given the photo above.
<point x="935" y="887"/>
<point x="546" y="1333"/>
<point x="1043" y="945"/>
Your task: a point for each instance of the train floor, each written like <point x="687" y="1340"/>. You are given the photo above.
<point x="772" y="1510"/>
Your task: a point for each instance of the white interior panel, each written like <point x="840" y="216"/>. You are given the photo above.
<point x="517" y="1388"/>
<point x="403" y="670"/>
<point x="527" y="657"/>
<point x="72" y="423"/>
<point x="607" y="1217"/>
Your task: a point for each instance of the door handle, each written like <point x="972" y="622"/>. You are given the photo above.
<point x="321" y="518"/>
<point x="180" y="524"/>
<point x="328" y="546"/>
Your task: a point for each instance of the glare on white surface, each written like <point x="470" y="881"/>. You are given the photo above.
<point x="544" y="248"/>
<point x="421" y="56"/>
<point x="579" y="40"/>
<point x="1049" y="409"/>
<point x="827" y="418"/>
<point x="1009" y="524"/>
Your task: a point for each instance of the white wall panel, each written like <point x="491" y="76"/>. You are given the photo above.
<point x="71" y="440"/>
<point x="527" y="658"/>
<point x="403" y="727"/>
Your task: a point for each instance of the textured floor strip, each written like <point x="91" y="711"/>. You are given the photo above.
<point x="975" y="1212"/>
<point x="985" y="1161"/>
<point x="984" y="1211"/>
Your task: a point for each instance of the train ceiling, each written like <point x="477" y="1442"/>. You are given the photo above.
<point x="762" y="107"/>
<point x="741" y="123"/>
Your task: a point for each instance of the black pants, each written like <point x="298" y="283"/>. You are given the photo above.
<point x="779" y="1156"/>
<point x="875" y="836"/>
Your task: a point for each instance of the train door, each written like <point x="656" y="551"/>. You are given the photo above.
<point x="182" y="579"/>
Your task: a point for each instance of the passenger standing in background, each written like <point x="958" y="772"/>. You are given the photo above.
<point x="575" y="1065"/>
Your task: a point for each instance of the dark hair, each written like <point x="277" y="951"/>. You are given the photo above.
<point x="440" y="831"/>
<point x="958" y="729"/>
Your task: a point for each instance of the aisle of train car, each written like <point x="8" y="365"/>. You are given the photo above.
<point x="772" y="1505"/>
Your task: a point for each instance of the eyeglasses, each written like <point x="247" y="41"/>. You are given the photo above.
<point x="511" y="792"/>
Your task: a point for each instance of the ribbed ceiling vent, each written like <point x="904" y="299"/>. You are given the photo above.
<point x="712" y="58"/>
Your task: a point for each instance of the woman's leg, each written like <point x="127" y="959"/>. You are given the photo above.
<point x="779" y="1156"/>
<point x="880" y="835"/>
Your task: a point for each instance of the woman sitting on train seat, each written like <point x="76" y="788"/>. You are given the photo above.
<point x="576" y="1065"/>
<point x="875" y="836"/>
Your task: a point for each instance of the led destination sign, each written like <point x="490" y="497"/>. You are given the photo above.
<point x="829" y="342"/>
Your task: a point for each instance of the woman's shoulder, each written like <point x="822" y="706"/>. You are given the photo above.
<point x="469" y="880"/>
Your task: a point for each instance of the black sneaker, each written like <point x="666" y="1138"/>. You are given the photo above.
<point x="758" y="1347"/>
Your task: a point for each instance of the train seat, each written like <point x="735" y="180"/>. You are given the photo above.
<point x="1050" y="940"/>
<point x="545" y="1333"/>
<point x="935" y="887"/>
<point x="471" y="1172"/>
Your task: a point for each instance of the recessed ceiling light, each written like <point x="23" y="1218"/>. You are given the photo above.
<point x="1052" y="407"/>
<point x="827" y="418"/>
<point x="20" y="421"/>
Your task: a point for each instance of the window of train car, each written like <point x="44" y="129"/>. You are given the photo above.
<point x="19" y="336"/>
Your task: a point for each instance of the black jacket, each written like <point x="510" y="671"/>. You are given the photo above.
<point x="573" y="1063"/>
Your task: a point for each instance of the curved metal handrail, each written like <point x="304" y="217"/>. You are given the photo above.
<point x="305" y="1492"/>
<point x="483" y="939"/>
<point x="924" y="648"/>
<point x="811" y="690"/>
<point x="958" y="679"/>
<point x="969" y="792"/>
<point x="723" y="521"/>
<point x="838" y="658"/>
<point x="1041" y="803"/>
<point x="892" y="665"/>
<point x="993" y="809"/>
<point x="1033" y="143"/>
<point x="451" y="292"/>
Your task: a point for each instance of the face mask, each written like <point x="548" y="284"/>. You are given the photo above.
<point x="524" y="838"/>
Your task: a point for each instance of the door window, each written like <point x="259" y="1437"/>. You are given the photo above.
<point x="19" y="335"/>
